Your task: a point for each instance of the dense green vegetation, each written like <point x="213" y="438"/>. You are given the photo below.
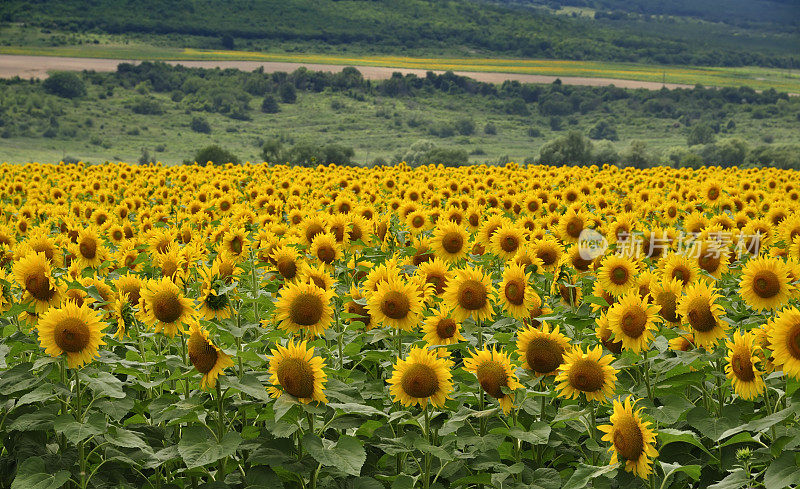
<point x="464" y="27"/>
<point x="154" y="111"/>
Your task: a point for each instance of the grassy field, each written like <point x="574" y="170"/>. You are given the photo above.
<point x="375" y="127"/>
<point x="755" y="77"/>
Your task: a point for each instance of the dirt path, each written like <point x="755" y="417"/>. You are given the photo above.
<point x="39" y="66"/>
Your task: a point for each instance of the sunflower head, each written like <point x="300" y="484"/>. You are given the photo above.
<point x="73" y="330"/>
<point x="296" y="371"/>
<point x="420" y="378"/>
<point x="631" y="437"/>
<point x="494" y="372"/>
<point x="542" y="350"/>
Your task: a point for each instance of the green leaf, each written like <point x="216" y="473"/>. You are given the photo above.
<point x="198" y="447"/>
<point x="735" y="480"/>
<point x="250" y="385"/>
<point x="403" y="482"/>
<point x="585" y="473"/>
<point x="692" y="471"/>
<point x="366" y="483"/>
<point x="41" y="420"/>
<point x="783" y="472"/>
<point x="124" y="438"/>
<point x="546" y="478"/>
<point x="759" y="425"/>
<point x="32" y="474"/>
<point x="669" y="435"/>
<point x="355" y="408"/>
<point x="709" y="425"/>
<point x="538" y="434"/>
<point x="104" y="384"/>
<point x="347" y="454"/>
<point x="77" y="432"/>
<point x="44" y="391"/>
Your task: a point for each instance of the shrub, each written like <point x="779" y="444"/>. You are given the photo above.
<point x="65" y="84"/>
<point x="287" y="93"/>
<point x="489" y="129"/>
<point x="270" y="105"/>
<point x="199" y="124"/>
<point x="146" y="106"/>
<point x="603" y="130"/>
<point x="216" y="155"/>
<point x="700" y="134"/>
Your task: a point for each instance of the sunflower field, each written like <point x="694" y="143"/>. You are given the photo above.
<point x="263" y="326"/>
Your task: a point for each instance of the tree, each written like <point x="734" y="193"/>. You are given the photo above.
<point x="636" y="155"/>
<point x="337" y="154"/>
<point x="65" y="84"/>
<point x="446" y="157"/>
<point x="199" y="124"/>
<point x="216" y="155"/>
<point x="605" y="154"/>
<point x="603" y="130"/>
<point x="228" y="42"/>
<point x="272" y="151"/>
<point x="270" y="105"/>
<point x="287" y="93"/>
<point x="572" y="149"/>
<point x="700" y="134"/>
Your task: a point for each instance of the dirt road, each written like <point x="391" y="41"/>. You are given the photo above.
<point x="39" y="66"/>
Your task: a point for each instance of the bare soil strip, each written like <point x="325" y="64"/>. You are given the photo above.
<point x="39" y="66"/>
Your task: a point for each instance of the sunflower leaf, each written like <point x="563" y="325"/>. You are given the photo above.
<point x="104" y="384"/>
<point x="585" y="473"/>
<point x="32" y="474"/>
<point x="783" y="472"/>
<point x="198" y="447"/>
<point x="77" y="432"/>
<point x="347" y="454"/>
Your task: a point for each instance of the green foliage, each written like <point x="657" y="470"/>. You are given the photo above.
<point x="287" y="93"/>
<point x="604" y="130"/>
<point x="700" y="134"/>
<point x="65" y="84"/>
<point x="200" y="124"/>
<point x="572" y="149"/>
<point x="270" y="105"/>
<point x="216" y="155"/>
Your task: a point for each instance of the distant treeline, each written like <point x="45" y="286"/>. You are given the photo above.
<point x="399" y="26"/>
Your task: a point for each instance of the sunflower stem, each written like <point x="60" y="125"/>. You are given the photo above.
<point x="79" y="417"/>
<point x="185" y="362"/>
<point x="646" y="375"/>
<point x="339" y="332"/>
<point x="592" y="429"/>
<point x="427" y="462"/>
<point x="220" y="430"/>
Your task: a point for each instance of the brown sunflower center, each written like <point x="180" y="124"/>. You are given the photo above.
<point x="668" y="306"/>
<point x="326" y="254"/>
<point x="395" y="305"/>
<point x="216" y="302"/>
<point x="793" y="341"/>
<point x="88" y="248"/>
<point x="515" y="292"/>
<point x="472" y="295"/>
<point x="700" y="316"/>
<point x="509" y="243"/>
<point x="361" y="311"/>
<point x="438" y="281"/>
<point x="452" y="242"/>
<point x="446" y="328"/>
<point x="681" y="273"/>
<point x="548" y="256"/>
<point x="492" y="377"/>
<point x="306" y="310"/>
<point x="38" y="285"/>
<point x="167" y="307"/>
<point x="71" y="335"/>
<point x="287" y="268"/>
<point x="236" y="245"/>
<point x="418" y="221"/>
<point x="202" y="355"/>
<point x="633" y="322"/>
<point x="574" y="227"/>
<point x="586" y="376"/>
<point x="766" y="284"/>
<point x="628" y="438"/>
<point x="296" y="377"/>
<point x="709" y="262"/>
<point x="313" y="230"/>
<point x="544" y="355"/>
<point x="742" y="366"/>
<point x="619" y="275"/>
<point x="420" y="381"/>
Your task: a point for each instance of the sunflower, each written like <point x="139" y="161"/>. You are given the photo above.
<point x="469" y="295"/>
<point x="206" y="357"/>
<point x="633" y="320"/>
<point x="589" y="372"/>
<point x="287" y="262"/>
<point x="235" y="242"/>
<point x="213" y="305"/>
<point x="507" y="240"/>
<point x="683" y="342"/>
<point x="318" y="275"/>
<point x="742" y="367"/>
<point x="325" y="248"/>
<point x="165" y="307"/>
<point x="296" y="371"/>
<point x="765" y="284"/>
<point x="699" y="310"/>
<point x="542" y="350"/>
<point x="631" y="437"/>
<point x="494" y="372"/>
<point x="617" y="274"/>
<point x="784" y="341"/>
<point x="89" y="250"/>
<point x="441" y="329"/>
<point x="604" y="333"/>
<point x="516" y="294"/>
<point x="304" y="307"/>
<point x="396" y="304"/>
<point x="549" y="251"/>
<point x="667" y="293"/>
<point x="450" y="241"/>
<point x="572" y="224"/>
<point x="74" y="330"/>
<point x="420" y="378"/>
<point x="32" y="273"/>
<point x="436" y="273"/>
<point x="680" y="267"/>
<point x="359" y="311"/>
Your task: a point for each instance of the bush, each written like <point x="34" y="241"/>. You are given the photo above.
<point x="700" y="134"/>
<point x="199" y="124"/>
<point x="636" y="155"/>
<point x="572" y="149"/>
<point x="534" y="132"/>
<point x="147" y="106"/>
<point x="556" y="123"/>
<point x="442" y="130"/>
<point x="270" y="105"/>
<point x="65" y="84"/>
<point x="216" y="155"/>
<point x="465" y="127"/>
<point x="489" y="129"/>
<point x="446" y="156"/>
<point x="287" y="93"/>
<point x="603" y="130"/>
<point x="272" y="151"/>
